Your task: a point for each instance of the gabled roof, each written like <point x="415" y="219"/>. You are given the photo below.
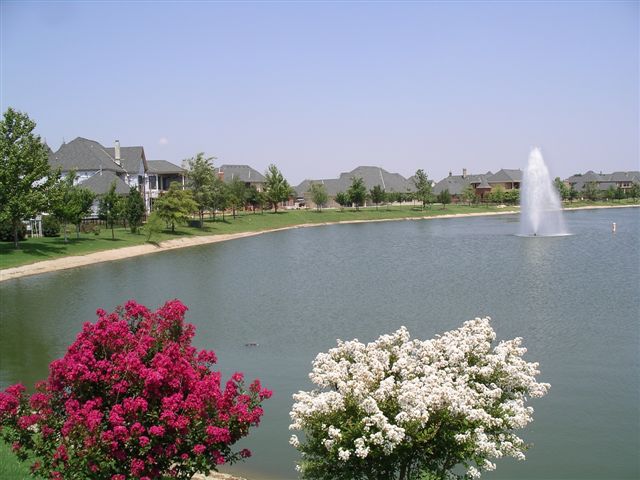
<point x="372" y="176"/>
<point x="130" y="157"/>
<point x="164" y="167"/>
<point x="100" y="183"/>
<point x="603" y="180"/>
<point x="505" y="175"/>
<point x="242" y="172"/>
<point x="83" y="154"/>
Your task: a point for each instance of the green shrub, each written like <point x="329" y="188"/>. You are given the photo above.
<point x="6" y="232"/>
<point x="50" y="226"/>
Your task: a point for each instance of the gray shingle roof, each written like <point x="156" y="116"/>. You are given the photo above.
<point x="101" y="182"/>
<point x="242" y="172"/>
<point x="164" y="167"/>
<point x="603" y="180"/>
<point x="506" y="175"/>
<point x="372" y="176"/>
<point x="83" y="154"/>
<point x="130" y="157"/>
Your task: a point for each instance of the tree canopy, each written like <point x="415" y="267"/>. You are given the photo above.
<point x="277" y="189"/>
<point x="423" y="188"/>
<point x="378" y="195"/>
<point x="319" y="195"/>
<point x="70" y="203"/>
<point x="175" y="205"/>
<point x="357" y="192"/>
<point x="200" y="179"/>
<point x="25" y="175"/>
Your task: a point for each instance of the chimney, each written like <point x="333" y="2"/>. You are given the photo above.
<point x="464" y="173"/>
<point x="450" y="174"/>
<point x="117" y="153"/>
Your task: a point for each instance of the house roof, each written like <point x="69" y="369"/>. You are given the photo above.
<point x="100" y="182"/>
<point x="242" y="172"/>
<point x="83" y="154"/>
<point x="506" y="175"/>
<point x="372" y="176"/>
<point x="164" y="167"/>
<point x="130" y="157"/>
<point x="603" y="180"/>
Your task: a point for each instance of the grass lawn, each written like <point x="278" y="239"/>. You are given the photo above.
<point x="37" y="249"/>
<point x="11" y="467"/>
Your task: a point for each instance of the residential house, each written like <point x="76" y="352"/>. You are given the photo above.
<point x="604" y="181"/>
<point x="372" y="176"/>
<point x="244" y="173"/>
<point x="160" y="175"/>
<point x="97" y="167"/>
<point x="483" y="183"/>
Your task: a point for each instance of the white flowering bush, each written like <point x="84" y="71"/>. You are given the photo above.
<point x="405" y="409"/>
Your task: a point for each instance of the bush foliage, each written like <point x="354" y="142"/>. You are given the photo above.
<point x="132" y="399"/>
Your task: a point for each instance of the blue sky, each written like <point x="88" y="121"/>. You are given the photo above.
<point x="319" y="88"/>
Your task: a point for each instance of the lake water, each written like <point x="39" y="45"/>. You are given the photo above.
<point x="575" y="300"/>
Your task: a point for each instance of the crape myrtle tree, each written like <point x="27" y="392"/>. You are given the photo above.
<point x="342" y="199"/>
<point x="277" y="189"/>
<point x="110" y="209"/>
<point x="319" y="195"/>
<point x="25" y="175"/>
<point x="405" y="409"/>
<point x="423" y="188"/>
<point x="134" y="209"/>
<point x="175" y="206"/>
<point x="377" y="195"/>
<point x="132" y="399"/>
<point x="357" y="192"/>
<point x="200" y="180"/>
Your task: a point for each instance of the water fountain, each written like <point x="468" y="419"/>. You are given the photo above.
<point x="540" y="207"/>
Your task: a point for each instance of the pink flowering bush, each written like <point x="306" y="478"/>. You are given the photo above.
<point x="132" y="399"/>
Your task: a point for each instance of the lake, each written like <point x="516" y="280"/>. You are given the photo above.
<point x="575" y="300"/>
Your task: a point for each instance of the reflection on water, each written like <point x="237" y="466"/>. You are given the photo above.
<point x="574" y="299"/>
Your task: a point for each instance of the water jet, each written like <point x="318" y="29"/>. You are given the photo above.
<point x="540" y="206"/>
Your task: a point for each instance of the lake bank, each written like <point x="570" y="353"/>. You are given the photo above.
<point x="76" y="261"/>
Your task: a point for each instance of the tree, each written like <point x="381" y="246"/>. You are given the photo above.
<point x="277" y="189"/>
<point x="497" y="194"/>
<point x="255" y="198"/>
<point x="153" y="225"/>
<point x="236" y="195"/>
<point x="175" y="205"/>
<point x="319" y="195"/>
<point x="590" y="191"/>
<point x="512" y="197"/>
<point x="219" y="197"/>
<point x="200" y="179"/>
<point x="573" y="193"/>
<point x="25" y="175"/>
<point x="634" y="191"/>
<point x="405" y="409"/>
<point x="610" y="193"/>
<point x="469" y="194"/>
<point x="134" y="209"/>
<point x="357" y="192"/>
<point x="619" y="195"/>
<point x="423" y="188"/>
<point x="378" y="195"/>
<point x="70" y="203"/>
<point x="444" y="197"/>
<point x="561" y="187"/>
<point x="111" y="208"/>
<point x="342" y="199"/>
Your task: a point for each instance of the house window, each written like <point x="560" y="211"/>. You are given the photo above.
<point x="152" y="182"/>
<point x="140" y="180"/>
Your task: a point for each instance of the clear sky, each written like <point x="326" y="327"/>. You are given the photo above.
<point x="319" y="88"/>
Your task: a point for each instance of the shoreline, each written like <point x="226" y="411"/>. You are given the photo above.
<point x="77" y="261"/>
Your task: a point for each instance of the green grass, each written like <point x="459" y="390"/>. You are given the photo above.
<point x="10" y="466"/>
<point x="37" y="249"/>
